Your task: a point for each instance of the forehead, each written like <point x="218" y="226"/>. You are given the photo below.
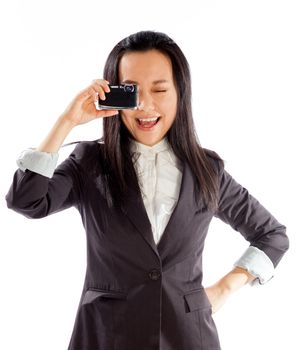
<point x="151" y="65"/>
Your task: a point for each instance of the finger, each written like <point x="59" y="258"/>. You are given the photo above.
<point x="93" y="95"/>
<point x="95" y="98"/>
<point x="87" y="94"/>
<point x="100" y="90"/>
<point x="95" y="90"/>
<point x="104" y="84"/>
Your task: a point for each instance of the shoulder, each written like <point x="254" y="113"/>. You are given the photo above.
<point x="87" y="154"/>
<point x="87" y="148"/>
<point x="215" y="159"/>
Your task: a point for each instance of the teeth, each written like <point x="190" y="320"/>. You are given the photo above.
<point x="148" y="119"/>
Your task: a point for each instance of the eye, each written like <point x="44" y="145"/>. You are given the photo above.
<point x="160" y="90"/>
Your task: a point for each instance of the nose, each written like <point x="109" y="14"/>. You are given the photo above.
<point x="145" y="103"/>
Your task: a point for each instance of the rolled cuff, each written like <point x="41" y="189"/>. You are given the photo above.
<point x="258" y="264"/>
<point x="42" y="163"/>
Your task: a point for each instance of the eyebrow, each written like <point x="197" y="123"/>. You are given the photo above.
<point x="154" y="82"/>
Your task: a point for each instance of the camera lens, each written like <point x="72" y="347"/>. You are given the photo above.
<point x="129" y="88"/>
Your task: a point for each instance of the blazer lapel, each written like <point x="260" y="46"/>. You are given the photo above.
<point x="136" y="212"/>
<point x="184" y="211"/>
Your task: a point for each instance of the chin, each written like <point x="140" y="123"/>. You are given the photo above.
<point x="149" y="141"/>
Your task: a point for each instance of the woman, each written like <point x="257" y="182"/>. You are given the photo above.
<point x="146" y="193"/>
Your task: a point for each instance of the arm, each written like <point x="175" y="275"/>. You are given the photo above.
<point x="231" y="282"/>
<point x="35" y="196"/>
<point x="267" y="237"/>
<point x="37" y="190"/>
<point x="43" y="159"/>
<point x="238" y="208"/>
<point x="80" y="111"/>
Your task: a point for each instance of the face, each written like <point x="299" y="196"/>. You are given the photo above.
<point x="152" y="72"/>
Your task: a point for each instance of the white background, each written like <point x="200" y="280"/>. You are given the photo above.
<point x="245" y="64"/>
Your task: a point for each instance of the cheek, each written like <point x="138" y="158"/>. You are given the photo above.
<point x="170" y="106"/>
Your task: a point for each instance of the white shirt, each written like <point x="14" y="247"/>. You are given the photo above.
<point x="160" y="175"/>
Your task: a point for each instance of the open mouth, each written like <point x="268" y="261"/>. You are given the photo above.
<point x="147" y="123"/>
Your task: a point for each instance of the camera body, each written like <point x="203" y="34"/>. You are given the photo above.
<point x="124" y="96"/>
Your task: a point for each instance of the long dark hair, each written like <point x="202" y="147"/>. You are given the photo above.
<point x="181" y="136"/>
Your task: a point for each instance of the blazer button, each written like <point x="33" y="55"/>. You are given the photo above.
<point x="154" y="274"/>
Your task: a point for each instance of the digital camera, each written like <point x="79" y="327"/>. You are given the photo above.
<point x="124" y="96"/>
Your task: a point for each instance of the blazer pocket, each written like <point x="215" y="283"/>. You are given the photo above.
<point x="196" y="300"/>
<point x="91" y="294"/>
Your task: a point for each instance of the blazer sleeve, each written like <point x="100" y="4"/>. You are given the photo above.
<point x="238" y="208"/>
<point x="35" y="196"/>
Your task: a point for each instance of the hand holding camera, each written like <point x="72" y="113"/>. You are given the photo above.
<point x="100" y="100"/>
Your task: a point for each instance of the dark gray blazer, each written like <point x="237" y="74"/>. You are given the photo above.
<point x="138" y="295"/>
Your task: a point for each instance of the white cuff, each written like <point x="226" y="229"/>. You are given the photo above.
<point x="42" y="163"/>
<point x="258" y="264"/>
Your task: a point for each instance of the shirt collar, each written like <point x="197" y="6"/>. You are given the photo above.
<point x="137" y="147"/>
